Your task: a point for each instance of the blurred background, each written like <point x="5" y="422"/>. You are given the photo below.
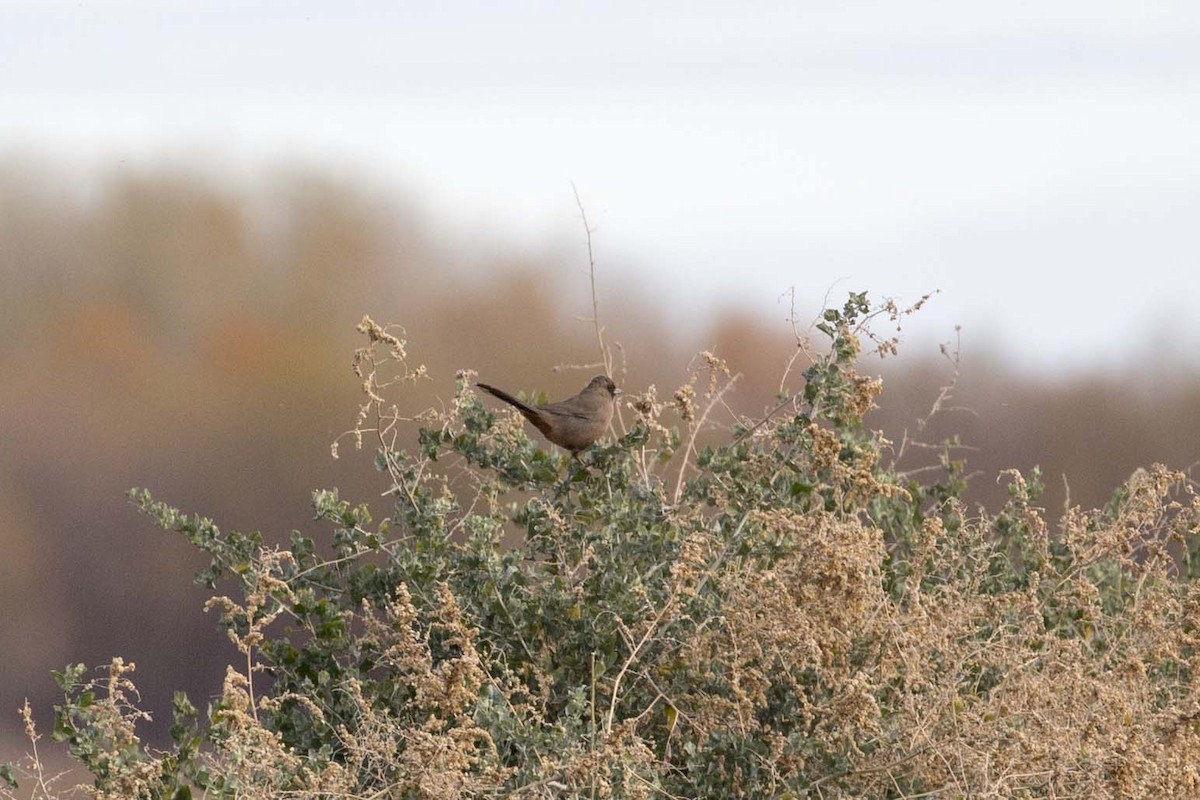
<point x="198" y="202"/>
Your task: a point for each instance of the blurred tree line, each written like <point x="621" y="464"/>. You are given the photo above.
<point x="171" y="329"/>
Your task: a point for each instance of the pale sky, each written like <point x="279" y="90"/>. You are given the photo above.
<point x="1038" y="162"/>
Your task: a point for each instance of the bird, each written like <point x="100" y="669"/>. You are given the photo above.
<point x="575" y="423"/>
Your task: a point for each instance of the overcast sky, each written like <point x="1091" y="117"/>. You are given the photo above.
<point x="1038" y="162"/>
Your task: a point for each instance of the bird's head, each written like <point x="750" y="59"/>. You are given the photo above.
<point x="603" y="383"/>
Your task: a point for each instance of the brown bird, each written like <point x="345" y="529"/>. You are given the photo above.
<point x="574" y="423"/>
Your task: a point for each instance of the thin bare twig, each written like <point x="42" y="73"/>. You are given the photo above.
<point x="633" y="655"/>
<point x="605" y="354"/>
<point x="691" y="444"/>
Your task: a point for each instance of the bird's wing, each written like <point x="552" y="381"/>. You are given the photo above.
<point x="566" y="409"/>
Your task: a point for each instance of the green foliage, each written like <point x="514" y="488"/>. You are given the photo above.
<point x="785" y="614"/>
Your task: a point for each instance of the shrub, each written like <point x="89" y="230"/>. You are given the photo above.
<point x="783" y="614"/>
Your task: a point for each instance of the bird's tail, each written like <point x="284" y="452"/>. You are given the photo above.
<point x="512" y="401"/>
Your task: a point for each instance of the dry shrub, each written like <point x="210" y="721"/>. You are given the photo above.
<point x="791" y="614"/>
